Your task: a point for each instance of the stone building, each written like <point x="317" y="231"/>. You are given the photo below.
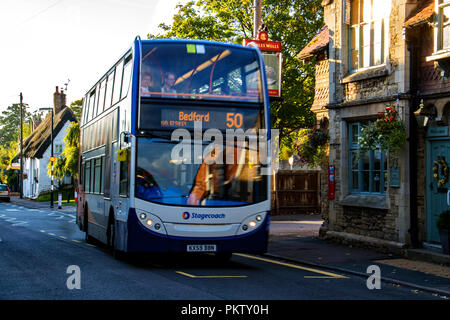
<point x="383" y="53"/>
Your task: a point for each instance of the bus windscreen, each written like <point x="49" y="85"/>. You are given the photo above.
<point x="200" y="71"/>
<point x="212" y="181"/>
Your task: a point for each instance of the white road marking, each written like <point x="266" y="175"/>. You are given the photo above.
<point x="16" y="222"/>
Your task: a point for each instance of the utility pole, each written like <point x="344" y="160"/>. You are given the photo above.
<point x="257" y="17"/>
<point x="21" y="148"/>
<point x="52" y="157"/>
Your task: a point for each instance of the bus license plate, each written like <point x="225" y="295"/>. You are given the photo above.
<point x="201" y="248"/>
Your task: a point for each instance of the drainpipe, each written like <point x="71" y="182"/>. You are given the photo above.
<point x="414" y="225"/>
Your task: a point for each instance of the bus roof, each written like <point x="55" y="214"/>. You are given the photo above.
<point x="209" y="42"/>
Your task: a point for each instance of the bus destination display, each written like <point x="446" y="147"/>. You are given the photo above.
<point x="185" y="117"/>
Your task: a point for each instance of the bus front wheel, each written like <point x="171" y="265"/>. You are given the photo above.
<point x="117" y="254"/>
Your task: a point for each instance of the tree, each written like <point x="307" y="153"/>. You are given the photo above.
<point x="10" y="123"/>
<point x="76" y="107"/>
<point x="294" y="22"/>
<point x="67" y="163"/>
<point x="9" y="138"/>
<point x="71" y="149"/>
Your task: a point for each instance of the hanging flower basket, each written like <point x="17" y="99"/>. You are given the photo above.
<point x="311" y="146"/>
<point x="387" y="133"/>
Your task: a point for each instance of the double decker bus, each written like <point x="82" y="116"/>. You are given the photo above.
<point x="171" y="159"/>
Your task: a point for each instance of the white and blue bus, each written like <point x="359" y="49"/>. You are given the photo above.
<point x="146" y="179"/>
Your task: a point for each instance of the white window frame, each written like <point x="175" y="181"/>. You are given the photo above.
<point x="440" y="6"/>
<point x="375" y="29"/>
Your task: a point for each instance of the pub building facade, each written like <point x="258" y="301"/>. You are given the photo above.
<point x="374" y="54"/>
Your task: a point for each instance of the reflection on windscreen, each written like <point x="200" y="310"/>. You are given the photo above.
<point x="160" y="179"/>
<point x="200" y="71"/>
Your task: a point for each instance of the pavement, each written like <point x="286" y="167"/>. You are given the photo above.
<point x="295" y="238"/>
<point x="29" y="203"/>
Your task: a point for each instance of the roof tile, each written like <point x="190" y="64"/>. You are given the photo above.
<point x="422" y="14"/>
<point x="318" y="43"/>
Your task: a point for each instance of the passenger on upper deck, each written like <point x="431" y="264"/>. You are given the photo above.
<point x="169" y="82"/>
<point x="147" y="84"/>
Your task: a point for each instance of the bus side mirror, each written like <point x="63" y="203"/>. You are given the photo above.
<point x="124" y="138"/>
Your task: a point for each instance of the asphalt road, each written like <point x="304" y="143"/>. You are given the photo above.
<point x="37" y="246"/>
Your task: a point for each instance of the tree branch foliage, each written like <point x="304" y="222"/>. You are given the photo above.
<point x="294" y="22"/>
<point x="10" y="137"/>
<point x="67" y="162"/>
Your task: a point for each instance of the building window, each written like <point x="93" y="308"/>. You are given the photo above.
<point x="444" y="24"/>
<point x="58" y="148"/>
<point x="367" y="174"/>
<point x="366" y="32"/>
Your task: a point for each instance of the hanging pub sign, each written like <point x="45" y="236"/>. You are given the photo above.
<point x="271" y="52"/>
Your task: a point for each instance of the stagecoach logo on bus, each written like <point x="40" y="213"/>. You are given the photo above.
<point x="186" y="215"/>
<point x="241" y="147"/>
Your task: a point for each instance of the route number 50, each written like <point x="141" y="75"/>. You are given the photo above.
<point x="234" y="120"/>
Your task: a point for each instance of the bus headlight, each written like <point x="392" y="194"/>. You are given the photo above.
<point x="251" y="223"/>
<point x="151" y="222"/>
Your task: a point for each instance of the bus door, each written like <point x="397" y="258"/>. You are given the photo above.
<point x="122" y="172"/>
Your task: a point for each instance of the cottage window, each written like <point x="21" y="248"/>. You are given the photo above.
<point x="367" y="174"/>
<point x="58" y="148"/>
<point x="444" y="25"/>
<point x="366" y="33"/>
